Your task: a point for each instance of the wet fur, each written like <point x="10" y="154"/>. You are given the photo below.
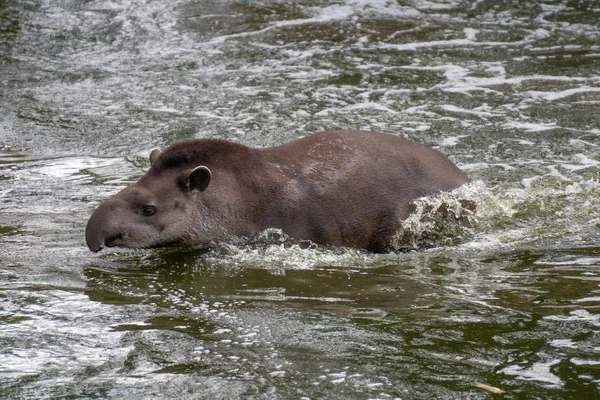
<point x="343" y="188"/>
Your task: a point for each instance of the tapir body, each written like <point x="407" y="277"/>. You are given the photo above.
<point x="342" y="188"/>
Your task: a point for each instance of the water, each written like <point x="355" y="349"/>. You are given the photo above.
<point x="508" y="90"/>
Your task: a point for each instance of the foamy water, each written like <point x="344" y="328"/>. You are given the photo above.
<point x="508" y="298"/>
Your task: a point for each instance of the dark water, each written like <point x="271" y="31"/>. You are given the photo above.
<point x="508" y="90"/>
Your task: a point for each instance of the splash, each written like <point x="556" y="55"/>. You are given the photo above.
<point x="274" y="250"/>
<point x="446" y="218"/>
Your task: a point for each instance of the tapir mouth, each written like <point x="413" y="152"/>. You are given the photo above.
<point x="95" y="248"/>
<point x="170" y="243"/>
<point x="116" y="240"/>
<point x="113" y="240"/>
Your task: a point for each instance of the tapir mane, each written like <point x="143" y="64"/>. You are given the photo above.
<point x="194" y="152"/>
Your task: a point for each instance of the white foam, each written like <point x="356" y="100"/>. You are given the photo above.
<point x="567" y="343"/>
<point x="459" y="79"/>
<point x="577" y="316"/>
<point x="384" y="8"/>
<point x="327" y="14"/>
<point x="430" y="5"/>
<point x="470" y="40"/>
<point x="71" y="168"/>
<point x="594" y="299"/>
<point x="166" y="110"/>
<point x="530" y="126"/>
<point x="552" y="96"/>
<point x="583" y="163"/>
<point x="369" y="105"/>
<point x="579" y="261"/>
<point x="537" y="372"/>
<point x="581" y="361"/>
<point x="212" y="115"/>
<point x="450" y="141"/>
<point x="479" y="111"/>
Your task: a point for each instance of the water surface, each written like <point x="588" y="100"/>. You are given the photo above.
<point x="509" y="91"/>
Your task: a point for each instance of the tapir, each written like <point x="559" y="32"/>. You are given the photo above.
<point x="340" y="188"/>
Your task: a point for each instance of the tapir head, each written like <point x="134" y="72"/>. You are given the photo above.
<point x="163" y="208"/>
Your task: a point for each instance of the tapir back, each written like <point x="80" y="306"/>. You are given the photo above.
<point x="353" y="188"/>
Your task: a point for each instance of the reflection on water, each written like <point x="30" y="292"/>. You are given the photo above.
<point x="509" y="91"/>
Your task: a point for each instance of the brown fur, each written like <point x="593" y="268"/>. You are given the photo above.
<point x="343" y="188"/>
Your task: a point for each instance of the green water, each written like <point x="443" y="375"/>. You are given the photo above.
<point x="510" y="91"/>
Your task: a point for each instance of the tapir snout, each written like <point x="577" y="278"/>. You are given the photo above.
<point x="100" y="230"/>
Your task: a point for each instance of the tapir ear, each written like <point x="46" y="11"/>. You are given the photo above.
<point x="154" y="156"/>
<point x="198" y="178"/>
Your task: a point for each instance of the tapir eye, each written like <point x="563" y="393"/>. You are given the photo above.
<point x="149" y="211"/>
